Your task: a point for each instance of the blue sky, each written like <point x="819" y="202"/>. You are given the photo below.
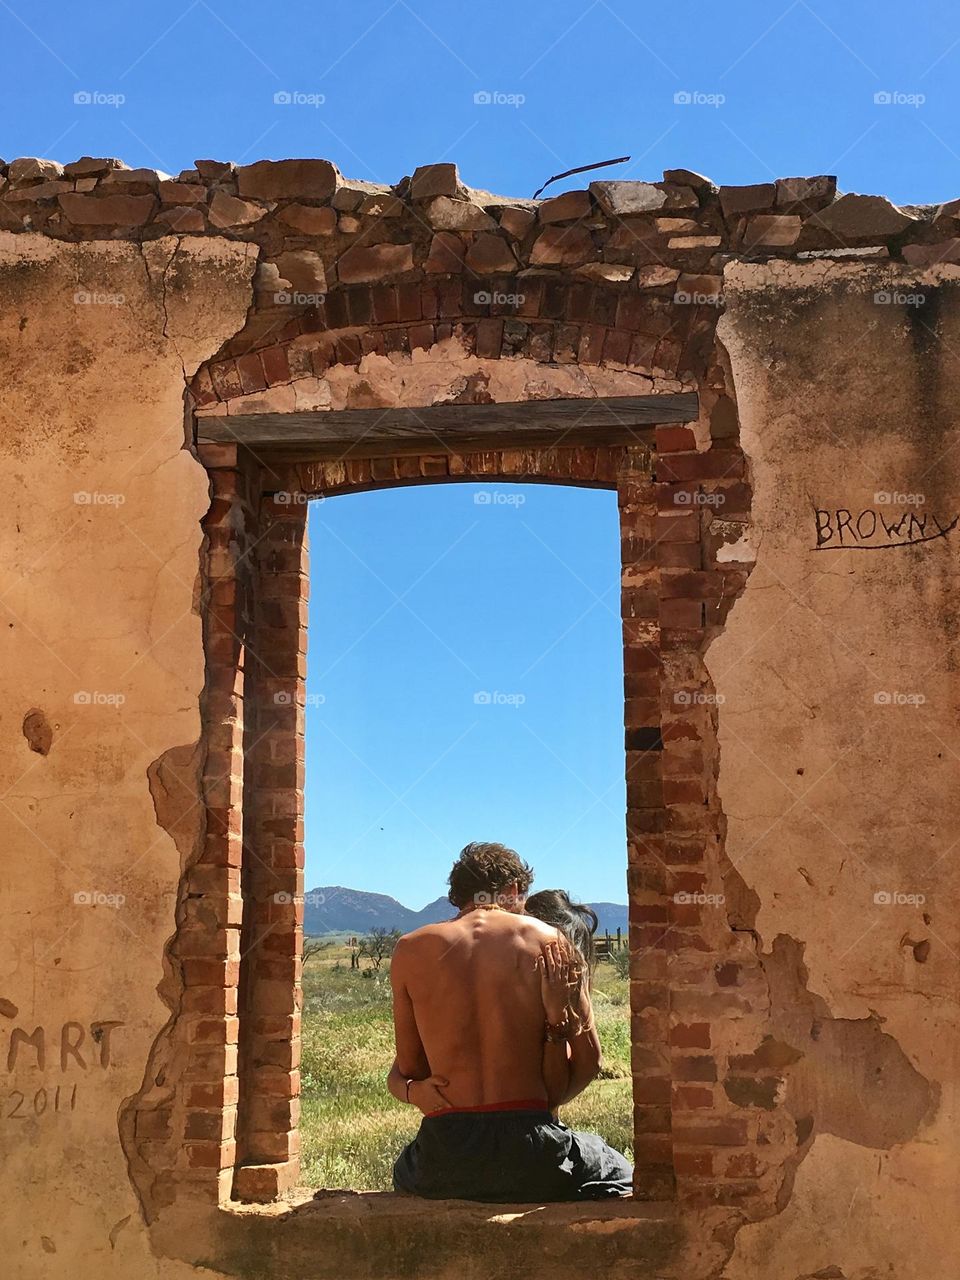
<point x="465" y="683"/>
<point x="797" y="79"/>
<point x="494" y="596"/>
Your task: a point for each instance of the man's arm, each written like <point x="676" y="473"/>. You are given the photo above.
<point x="410" y="1079"/>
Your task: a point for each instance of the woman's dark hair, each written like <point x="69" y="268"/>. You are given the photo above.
<point x="484" y="871"/>
<point x="575" y="920"/>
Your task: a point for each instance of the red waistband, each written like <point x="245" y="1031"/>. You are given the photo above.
<point x="518" y="1104"/>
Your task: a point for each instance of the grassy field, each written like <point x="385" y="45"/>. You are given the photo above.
<point x="351" y="1129"/>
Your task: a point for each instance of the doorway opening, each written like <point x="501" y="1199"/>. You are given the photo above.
<point x="464" y="682"/>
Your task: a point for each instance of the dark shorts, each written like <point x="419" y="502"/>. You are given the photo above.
<point x="509" y="1157"/>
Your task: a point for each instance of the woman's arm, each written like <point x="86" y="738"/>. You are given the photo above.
<point x="586" y="1057"/>
<point x="571" y="1054"/>
<point x="424" y="1094"/>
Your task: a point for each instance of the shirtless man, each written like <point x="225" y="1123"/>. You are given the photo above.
<point x="487" y="1043"/>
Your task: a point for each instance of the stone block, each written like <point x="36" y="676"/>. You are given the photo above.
<point x="756" y="198"/>
<point x="446" y="214"/>
<point x="855" y="217"/>
<point x="490" y="255"/>
<point x="280" y="179"/>
<point x="102" y="211"/>
<point x="431" y="180"/>
<point x="228" y="211"/>
<point x="562" y="246"/>
<point x="365" y="263"/>
<point x="566" y="208"/>
<point x="309" y="219"/>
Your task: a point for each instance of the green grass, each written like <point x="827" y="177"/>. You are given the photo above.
<point x="352" y="1129"/>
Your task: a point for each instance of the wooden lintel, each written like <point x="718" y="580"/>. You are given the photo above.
<point x="445" y="428"/>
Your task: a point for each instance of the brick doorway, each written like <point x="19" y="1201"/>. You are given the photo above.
<point x="233" y="1120"/>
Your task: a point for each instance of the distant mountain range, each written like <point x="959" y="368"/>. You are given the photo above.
<point x="334" y="909"/>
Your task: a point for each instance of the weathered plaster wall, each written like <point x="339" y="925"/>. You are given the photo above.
<point x="836" y="789"/>
<point x="96" y="598"/>
<point x="830" y="796"/>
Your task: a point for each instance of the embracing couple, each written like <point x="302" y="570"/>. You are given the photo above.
<point x="494" y="1031"/>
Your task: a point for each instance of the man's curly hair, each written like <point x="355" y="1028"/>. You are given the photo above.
<point x="486" y="869"/>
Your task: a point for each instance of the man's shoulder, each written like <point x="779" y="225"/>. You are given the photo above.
<point x="416" y="937"/>
<point x="540" y="927"/>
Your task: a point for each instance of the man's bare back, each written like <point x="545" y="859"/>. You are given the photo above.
<point x="475" y="986"/>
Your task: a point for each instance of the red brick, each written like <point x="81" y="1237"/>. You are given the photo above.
<point x="616" y="346"/>
<point x="689" y="1097"/>
<point x="215" y="1031"/>
<point x="673" y="439"/>
<point x="211" y="1155"/>
<point x="696" y="1164"/>
<point x="251" y="373"/>
<point x="728" y="974"/>
<point x="714" y="464"/>
<point x="211" y="1126"/>
<point x="651" y="1120"/>
<point x="691" y="586"/>
<point x="276" y="367"/>
<point x="421" y="335"/>
<point x="681" y="613"/>
<point x="700" y="1068"/>
<point x="591" y="344"/>
<point x="489" y="338"/>
<point x="386" y="304"/>
<point x="653" y="1148"/>
<point x="684" y="791"/>
<point x="693" y="1035"/>
<point x="743" y="1164"/>
<point x="679" y="555"/>
<point x="224" y="1093"/>
<point x="720" y="1133"/>
<point x="226" y="379"/>
<point x="681" y="528"/>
